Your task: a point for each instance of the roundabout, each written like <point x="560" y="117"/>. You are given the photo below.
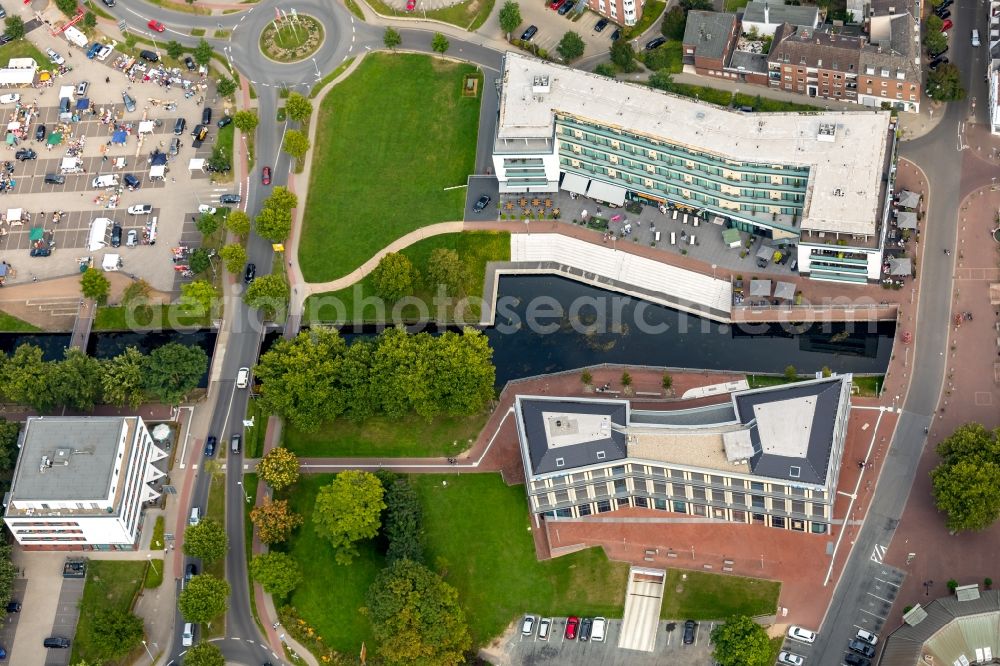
<point x="292" y="40"/>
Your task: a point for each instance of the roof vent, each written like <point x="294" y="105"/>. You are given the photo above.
<point x="794" y="472"/>
<point x="601" y="455"/>
<point x="560" y="462"/>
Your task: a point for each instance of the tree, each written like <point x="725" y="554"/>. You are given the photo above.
<point x="674" y="23"/>
<point x="123" y="379"/>
<point x="571" y="46"/>
<point x="667" y="382"/>
<point x="199" y="298"/>
<point x="347" y="511"/>
<point x="115" y="632"/>
<point x="204" y="654"/>
<point x="15" y="26"/>
<point x="394" y="277"/>
<point x="277" y="573"/>
<point x="9" y="431"/>
<point x="391" y="38"/>
<point x="67" y="7"/>
<point x="445" y="268"/>
<point x="402" y="522"/>
<point x="510" y="17"/>
<point x="945" y="84"/>
<point x="175" y="49"/>
<point x="606" y="69"/>
<point x="234" y="256"/>
<point x="440" y="43"/>
<point x="416" y="617"/>
<point x="89" y="20"/>
<point x="226" y="86"/>
<point x="269" y="294"/>
<point x="298" y="378"/>
<point x="280" y="467"/>
<point x="26" y="378"/>
<point x="964" y="482"/>
<point x="741" y="642"/>
<point x="701" y="5"/>
<point x="130" y="40"/>
<point x="296" y="143"/>
<point x="94" y="285"/>
<point x="273" y="224"/>
<point x="623" y="55"/>
<point x="246" y="121"/>
<point x="274" y="521"/>
<point x="586" y="378"/>
<point x="207" y="224"/>
<point x="76" y="380"/>
<point x="298" y="107"/>
<point x="282" y="198"/>
<point x="203" y="599"/>
<point x="237" y="221"/>
<point x="791" y="374"/>
<point x="658" y="59"/>
<point x="173" y="369"/>
<point x="935" y="41"/>
<point x="207" y="541"/>
<point x="662" y="80"/>
<point x="219" y="161"/>
<point x="7" y="574"/>
<point x="203" y="52"/>
<point x="199" y="260"/>
<point x="626" y="379"/>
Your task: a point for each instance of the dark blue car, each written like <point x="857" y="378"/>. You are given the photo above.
<point x="93" y="50"/>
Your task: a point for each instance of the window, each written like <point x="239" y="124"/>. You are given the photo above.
<point x="680" y="507"/>
<point x="779" y="504"/>
<point x="757" y="501"/>
<point x="777" y="489"/>
<point x="798" y="526"/>
<point x="622" y="502"/>
<point x="584" y="510"/>
<point x="818" y="509"/>
<point x="817" y="528"/>
<point x="719" y="496"/>
<point x="658" y="471"/>
<point x="561" y="496"/>
<point x="676" y="474"/>
<point x="603" y="506"/>
<point x="739" y="516"/>
<point x="679" y="489"/>
<point x="641" y="502"/>
<point x="700" y="478"/>
<point x="740" y="499"/>
<point x="758" y="518"/>
<point x="620" y="486"/>
<point x="698" y="492"/>
<point x="756" y="485"/>
<point x="660" y="504"/>
<point x="601" y="455"/>
<point x="699" y="510"/>
<point x="640" y="485"/>
<point x="718" y="480"/>
<point x="798" y="506"/>
<point x="659" y="488"/>
<point x="777" y="521"/>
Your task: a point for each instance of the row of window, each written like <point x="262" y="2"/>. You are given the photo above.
<point x="48" y="531"/>
<point x="728" y="515"/>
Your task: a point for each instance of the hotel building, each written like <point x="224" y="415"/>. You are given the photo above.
<point x="769" y="456"/>
<point x="820" y="181"/>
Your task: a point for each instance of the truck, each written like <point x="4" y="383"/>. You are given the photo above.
<point x="74" y="36"/>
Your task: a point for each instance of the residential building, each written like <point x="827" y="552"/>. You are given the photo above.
<point x="819" y="180"/>
<point x="815" y="63"/>
<point x="81" y="482"/>
<point x="769" y="456"/>
<point x="623" y="12"/>
<point x="765" y="17"/>
<point x="709" y="38"/>
<point x="890" y="64"/>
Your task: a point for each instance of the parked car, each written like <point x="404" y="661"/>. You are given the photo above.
<point x="938" y="53"/>
<point x="544" y="628"/>
<point x="81" y="88"/>
<point x="230" y="199"/>
<point x="56" y="642"/>
<point x="175" y="145"/>
<point x="948" y="25"/>
<point x="867" y="637"/>
<point x="156" y="25"/>
<point x="791" y="659"/>
<point x="92" y="51"/>
<point x="55" y="179"/>
<point x="3" y="652"/>
<point x="528" y="625"/>
<point x="265" y="176"/>
<point x="149" y="56"/>
<point x="55" y="57"/>
<point x="655" y="43"/>
<point x="9" y="98"/>
<point x="601" y="25"/>
<point x="851" y="659"/>
<point x="3" y="13"/>
<point x="132" y="238"/>
<point x="116" y="235"/>
<point x="5" y="39"/>
<point x="189" y="63"/>
<point x="109" y="3"/>
<point x="190" y="572"/>
<point x="567" y="6"/>
<point x="572" y="628"/>
<point x="210" y="445"/>
<point x="937" y="62"/>
<point x="25" y="154"/>
<point x="206" y="116"/>
<point x="129" y="102"/>
<point x="616" y="35"/>
<point x="13" y="606"/>
<point x="40" y="132"/>
<point x="586" y="624"/>
<point x="250" y="273"/>
<point x="861" y="647"/>
<point x="187" y="637"/>
<point x="205" y="209"/>
<point x="243" y="376"/>
<point x="131" y="182"/>
<point x="224" y="120"/>
<point x="234" y="443"/>
<point x="530" y="32"/>
<point x="104" y="52"/>
<point x="140" y="209"/>
<point x="482" y="203"/>
<point x="798" y="633"/>
<point x="689" y="630"/>
<point x="944" y="14"/>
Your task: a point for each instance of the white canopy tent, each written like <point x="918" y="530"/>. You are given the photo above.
<point x="146" y="127"/>
<point x="14" y="75"/>
<point x="157" y="172"/>
<point x="111" y="262"/>
<point x="14" y="215"/>
<point x="98" y="230"/>
<point x="13" y="125"/>
<point x="196" y="164"/>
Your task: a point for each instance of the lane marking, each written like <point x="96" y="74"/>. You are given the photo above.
<point x="878" y="553"/>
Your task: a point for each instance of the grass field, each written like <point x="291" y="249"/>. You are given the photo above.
<point x="476" y="248"/>
<point x="11" y="324"/>
<point x="22" y="48"/>
<point x="868" y="386"/>
<point x="250" y="488"/>
<point x="650" y="12"/>
<point x="378" y="176"/>
<point x="110" y="584"/>
<point x="409" y="436"/>
<point x="476" y="534"/>
<point x="710" y="596"/>
<point x="468" y="15"/>
<point x="156" y="317"/>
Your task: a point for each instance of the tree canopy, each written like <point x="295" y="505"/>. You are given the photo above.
<point x="965" y="482"/>
<point x="76" y="380"/>
<point x="203" y="52"/>
<point x="391" y="38"/>
<point x="394" y="277"/>
<point x="115" y="633"/>
<point x="279" y="468"/>
<point x="9" y="431"/>
<point x="234" y="256"/>
<point x="945" y="83"/>
<point x="124" y="379"/>
<point x="207" y="541"/>
<point x="94" y="285"/>
<point x="274" y="221"/>
<point x="25" y="378"/>
<point x="274" y="521"/>
<point x="416" y="618"/>
<point x="226" y="86"/>
<point x="571" y="46"/>
<point x="200" y="298"/>
<point x="204" y="654"/>
<point x="173" y="370"/>
<point x="296" y="143"/>
<point x="298" y="107"/>
<point x="245" y="121"/>
<point x="446" y="269"/>
<point x="741" y="642"/>
<point x="674" y="22"/>
<point x="623" y="55"/>
<point x="401" y="522"/>
<point x="268" y="293"/>
<point x="347" y="511"/>
<point x="14" y="26"/>
<point x="440" y="43"/>
<point x="278" y="573"/>
<point x="510" y="16"/>
<point x="175" y="49"/>
<point x="203" y="599"/>
<point x="238" y="222"/>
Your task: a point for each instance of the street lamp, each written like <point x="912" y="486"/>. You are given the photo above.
<point x="927" y="587"/>
<point x="243" y="490"/>
<point x="149" y="558"/>
<point x="151" y="659"/>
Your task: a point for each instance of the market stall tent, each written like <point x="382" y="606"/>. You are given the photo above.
<point x="111" y="262"/>
<point x="98" y="231"/>
<point x="55" y="139"/>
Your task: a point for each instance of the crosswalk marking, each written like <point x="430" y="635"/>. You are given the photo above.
<point x="878" y="553"/>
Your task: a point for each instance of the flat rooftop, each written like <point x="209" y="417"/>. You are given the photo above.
<point x="696" y="448"/>
<point x="845" y="151"/>
<point x="66" y="459"/>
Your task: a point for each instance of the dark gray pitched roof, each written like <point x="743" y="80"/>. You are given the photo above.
<point x="813" y="467"/>
<point x="905" y="646"/>
<point x="796" y="45"/>
<point x="543" y="459"/>
<point x="708" y="32"/>
<point x="778" y="12"/>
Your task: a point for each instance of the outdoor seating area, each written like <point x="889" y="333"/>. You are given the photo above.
<point x="904" y="231"/>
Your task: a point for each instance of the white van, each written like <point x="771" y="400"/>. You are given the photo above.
<point x="599" y="630"/>
<point x="110" y="180"/>
<point x="975" y="38"/>
<point x="195" y="516"/>
<point x="187" y="638"/>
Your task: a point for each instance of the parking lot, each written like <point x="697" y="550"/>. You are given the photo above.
<point x="67" y="614"/>
<point x="9" y="627"/>
<point x="558" y="651"/>
<point x="552" y="26"/>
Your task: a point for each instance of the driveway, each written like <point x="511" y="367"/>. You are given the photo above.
<point x="48" y="608"/>
<point x="552" y="27"/>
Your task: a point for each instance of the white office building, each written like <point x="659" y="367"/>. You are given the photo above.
<point x="81" y="482"/>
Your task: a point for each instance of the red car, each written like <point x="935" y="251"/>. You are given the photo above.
<point x="947" y="26"/>
<point x="411" y="5"/>
<point x="156" y="25"/>
<point x="556" y="4"/>
<point x="265" y="176"/>
<point x="572" y="625"/>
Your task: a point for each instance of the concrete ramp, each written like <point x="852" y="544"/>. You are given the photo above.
<point x="642" y="609"/>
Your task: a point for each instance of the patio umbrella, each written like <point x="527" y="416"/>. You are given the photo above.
<point x="784" y="290"/>
<point x="36" y="234"/>
<point x="55" y="138"/>
<point x="161" y="432"/>
<point x="760" y="287"/>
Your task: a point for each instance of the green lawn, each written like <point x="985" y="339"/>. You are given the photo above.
<point x="250" y="488"/>
<point x="650" y="12"/>
<point x="160" y="316"/>
<point x="476" y="248"/>
<point x="22" y="48"/>
<point x="110" y="584"/>
<point x="476" y="534"/>
<point x="468" y="15"/>
<point x="867" y="386"/>
<point x="721" y="97"/>
<point x="711" y="596"/>
<point x="216" y="510"/>
<point x="734" y="5"/>
<point x="378" y="176"/>
<point x="253" y="438"/>
<point x="11" y="324"/>
<point x="410" y="436"/>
